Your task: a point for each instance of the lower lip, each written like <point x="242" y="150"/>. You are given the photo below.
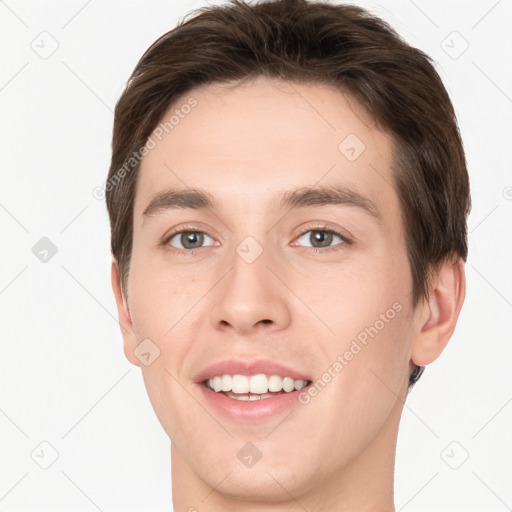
<point x="250" y="411"/>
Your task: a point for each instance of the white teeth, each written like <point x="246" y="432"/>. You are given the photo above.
<point x="226" y="383"/>
<point x="254" y="387"/>
<point x="275" y="383"/>
<point x="288" y="384"/>
<point x="299" y="384"/>
<point x="240" y="384"/>
<point x="258" y="384"/>
<point x="217" y="383"/>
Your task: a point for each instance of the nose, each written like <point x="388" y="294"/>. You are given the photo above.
<point x="250" y="298"/>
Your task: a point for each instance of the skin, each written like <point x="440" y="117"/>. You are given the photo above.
<point x="246" y="145"/>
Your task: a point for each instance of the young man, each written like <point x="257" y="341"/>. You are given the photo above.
<point x="288" y="198"/>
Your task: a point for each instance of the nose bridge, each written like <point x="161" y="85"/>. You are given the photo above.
<point x="250" y="296"/>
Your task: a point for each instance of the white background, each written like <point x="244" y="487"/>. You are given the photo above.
<point x="63" y="375"/>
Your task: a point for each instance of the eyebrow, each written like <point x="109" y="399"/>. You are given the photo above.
<point x="197" y="199"/>
<point x="328" y="196"/>
<point x="191" y="198"/>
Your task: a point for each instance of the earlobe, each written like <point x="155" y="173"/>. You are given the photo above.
<point x="123" y="311"/>
<point x="440" y="313"/>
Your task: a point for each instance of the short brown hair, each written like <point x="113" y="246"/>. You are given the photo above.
<point x="314" y="43"/>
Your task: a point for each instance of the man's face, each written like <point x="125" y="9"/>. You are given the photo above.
<point x="262" y="283"/>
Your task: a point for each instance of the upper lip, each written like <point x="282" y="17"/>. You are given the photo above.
<point x="249" y="367"/>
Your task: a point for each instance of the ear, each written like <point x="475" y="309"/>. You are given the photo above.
<point x="123" y="312"/>
<point x="438" y="315"/>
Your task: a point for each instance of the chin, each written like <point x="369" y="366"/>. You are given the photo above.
<point x="258" y="486"/>
<point x="269" y="480"/>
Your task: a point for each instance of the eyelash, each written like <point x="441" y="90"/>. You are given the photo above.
<point x="323" y="228"/>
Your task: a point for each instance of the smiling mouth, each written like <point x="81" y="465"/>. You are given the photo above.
<point x="254" y="387"/>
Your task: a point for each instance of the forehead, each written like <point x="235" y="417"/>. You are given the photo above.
<point x="264" y="136"/>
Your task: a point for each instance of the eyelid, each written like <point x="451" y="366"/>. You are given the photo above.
<point x="195" y="248"/>
<point x="327" y="227"/>
<point x="187" y="227"/>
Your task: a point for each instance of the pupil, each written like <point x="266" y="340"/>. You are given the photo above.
<point x="192" y="238"/>
<point x="322" y="237"/>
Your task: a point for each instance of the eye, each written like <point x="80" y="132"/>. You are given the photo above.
<point x="188" y="240"/>
<point x="322" y="238"/>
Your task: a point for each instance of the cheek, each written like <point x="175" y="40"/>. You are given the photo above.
<point x="373" y="347"/>
<point x="367" y="390"/>
<point x="161" y="299"/>
<point x="162" y="310"/>
<point x="351" y="298"/>
<point x="369" y="312"/>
